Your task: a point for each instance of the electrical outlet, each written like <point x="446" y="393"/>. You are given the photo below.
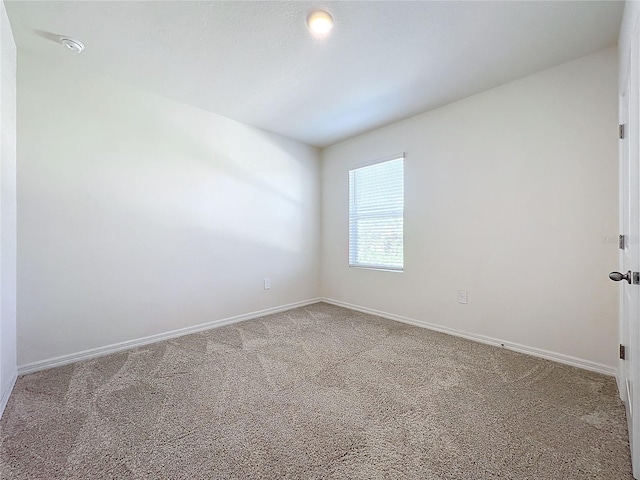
<point x="462" y="296"/>
<point x="267" y="284"/>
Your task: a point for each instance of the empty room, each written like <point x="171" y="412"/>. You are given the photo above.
<point x="304" y="240"/>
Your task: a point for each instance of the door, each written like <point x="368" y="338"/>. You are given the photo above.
<point x="629" y="368"/>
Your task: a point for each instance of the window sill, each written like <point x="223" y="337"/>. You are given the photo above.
<point x="382" y="269"/>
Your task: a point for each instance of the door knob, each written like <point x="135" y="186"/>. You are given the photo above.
<point x="617" y="276"/>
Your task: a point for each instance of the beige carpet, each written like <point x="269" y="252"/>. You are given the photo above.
<point x="316" y="392"/>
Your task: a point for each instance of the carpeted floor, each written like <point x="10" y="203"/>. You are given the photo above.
<point x="316" y="392"/>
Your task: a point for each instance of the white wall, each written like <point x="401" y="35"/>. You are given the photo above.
<point x="140" y="215"/>
<point x="509" y="194"/>
<point x="7" y="209"/>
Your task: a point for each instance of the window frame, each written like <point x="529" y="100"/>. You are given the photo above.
<point x="353" y="222"/>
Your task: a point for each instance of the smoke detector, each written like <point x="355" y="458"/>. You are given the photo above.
<point x="73" y="45"/>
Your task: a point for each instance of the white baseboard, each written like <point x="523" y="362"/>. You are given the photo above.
<point x="536" y="352"/>
<point x="129" y="344"/>
<point x="4" y="399"/>
<point x="622" y="385"/>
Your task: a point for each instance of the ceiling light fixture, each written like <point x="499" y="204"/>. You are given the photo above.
<point x="73" y="45"/>
<point x="320" y="23"/>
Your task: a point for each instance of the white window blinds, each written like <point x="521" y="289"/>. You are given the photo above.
<point x="376" y="215"/>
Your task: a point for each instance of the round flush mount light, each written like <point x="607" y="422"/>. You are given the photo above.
<point x="73" y="45"/>
<point x="320" y="23"/>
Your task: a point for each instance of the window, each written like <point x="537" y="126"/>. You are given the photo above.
<point x="376" y="215"/>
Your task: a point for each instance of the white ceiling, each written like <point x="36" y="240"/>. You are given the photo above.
<point x="255" y="61"/>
